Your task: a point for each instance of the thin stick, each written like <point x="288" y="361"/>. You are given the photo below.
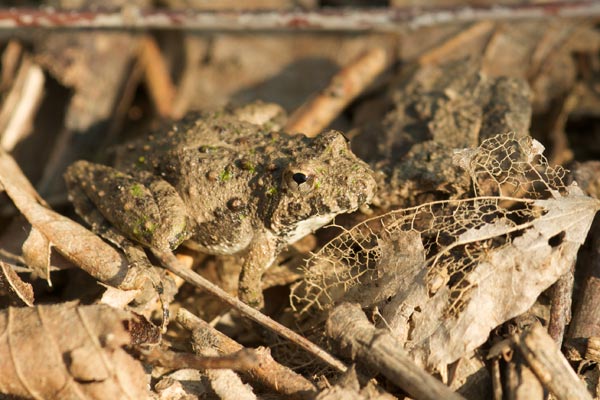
<point x="561" y="294"/>
<point x="21" y="104"/>
<point x="268" y="371"/>
<point x="242" y="360"/>
<point x="348" y="19"/>
<point x="172" y="264"/>
<point x="160" y="86"/>
<point x="357" y="337"/>
<point x="316" y="114"/>
<point x="465" y="36"/>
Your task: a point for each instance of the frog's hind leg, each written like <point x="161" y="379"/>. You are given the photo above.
<point x="141" y="206"/>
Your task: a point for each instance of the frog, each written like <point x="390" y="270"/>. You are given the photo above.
<point x="225" y="182"/>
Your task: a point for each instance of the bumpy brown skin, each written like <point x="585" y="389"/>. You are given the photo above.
<point x="227" y="185"/>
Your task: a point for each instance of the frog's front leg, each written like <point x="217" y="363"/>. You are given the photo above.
<point x="260" y="255"/>
<point x="140" y="205"/>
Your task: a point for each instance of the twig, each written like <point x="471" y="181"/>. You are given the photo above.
<point x="268" y="371"/>
<point x="313" y="116"/>
<point x="442" y="51"/>
<point x="172" y="264"/>
<point x="240" y="361"/>
<point x="496" y="379"/>
<point x="561" y="294"/>
<point x="21" y="104"/>
<point x="10" y="61"/>
<point x="521" y="383"/>
<point x="586" y="319"/>
<point x="351" y="19"/>
<point x="549" y="365"/>
<point x="357" y="337"/>
<point x="160" y="86"/>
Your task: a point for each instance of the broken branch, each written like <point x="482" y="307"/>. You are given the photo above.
<point x="359" y="339"/>
<point x="549" y="365"/>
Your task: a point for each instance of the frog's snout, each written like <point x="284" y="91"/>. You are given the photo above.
<point x="367" y="186"/>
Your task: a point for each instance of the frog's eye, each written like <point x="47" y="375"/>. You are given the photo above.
<point x="299" y="181"/>
<point x="299" y="178"/>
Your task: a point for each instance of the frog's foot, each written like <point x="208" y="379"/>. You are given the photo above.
<point x="142" y="206"/>
<point x="260" y="256"/>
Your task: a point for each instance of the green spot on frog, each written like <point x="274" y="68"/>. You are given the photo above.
<point x="136" y="190"/>
<point x="141" y="160"/>
<point x="248" y="166"/>
<point x="143" y="228"/>
<point x="225" y="175"/>
<point x="271" y="191"/>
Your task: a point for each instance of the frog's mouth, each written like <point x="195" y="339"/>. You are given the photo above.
<point x="306" y="226"/>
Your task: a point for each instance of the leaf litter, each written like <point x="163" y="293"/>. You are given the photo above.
<point x="445" y="273"/>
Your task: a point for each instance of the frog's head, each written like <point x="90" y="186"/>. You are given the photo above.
<point x="323" y="179"/>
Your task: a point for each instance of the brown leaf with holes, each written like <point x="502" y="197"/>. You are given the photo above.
<point x="68" y="351"/>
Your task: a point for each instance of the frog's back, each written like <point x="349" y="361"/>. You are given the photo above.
<point x="214" y="136"/>
<point x="215" y="163"/>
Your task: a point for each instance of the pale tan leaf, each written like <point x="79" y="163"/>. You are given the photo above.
<point x="118" y="298"/>
<point x="36" y="253"/>
<point x="39" y="360"/>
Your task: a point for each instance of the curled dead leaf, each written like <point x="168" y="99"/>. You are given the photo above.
<point x="19" y="291"/>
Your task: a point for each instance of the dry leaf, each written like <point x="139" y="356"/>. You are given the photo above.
<point x="18" y="291"/>
<point x="445" y="273"/>
<point x="36" y="253"/>
<point x="118" y="298"/>
<point x="38" y="360"/>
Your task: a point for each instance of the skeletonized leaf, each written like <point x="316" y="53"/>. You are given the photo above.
<point x="38" y="360"/>
<point x="475" y="262"/>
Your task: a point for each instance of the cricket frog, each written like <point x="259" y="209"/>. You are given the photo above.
<point x="225" y="182"/>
